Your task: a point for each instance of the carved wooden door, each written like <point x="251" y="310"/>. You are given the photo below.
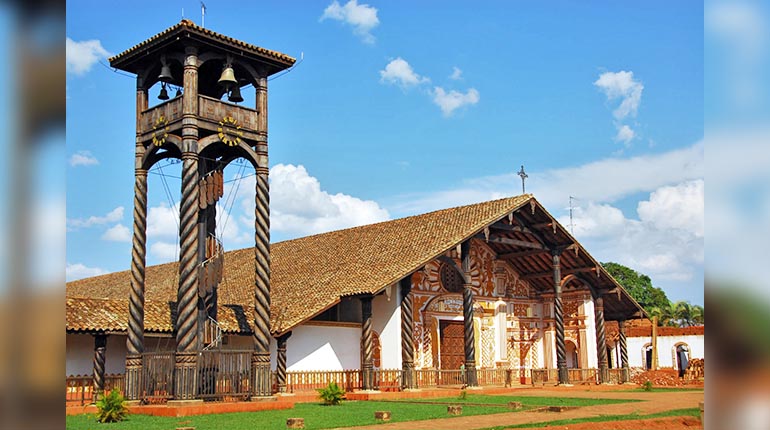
<point x="452" y="345"/>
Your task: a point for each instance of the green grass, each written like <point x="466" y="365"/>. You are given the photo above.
<point x="525" y="400"/>
<point x="349" y="413"/>
<point x="690" y="412"/>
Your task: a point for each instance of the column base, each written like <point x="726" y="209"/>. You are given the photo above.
<point x="261" y="377"/>
<point x="186" y="376"/>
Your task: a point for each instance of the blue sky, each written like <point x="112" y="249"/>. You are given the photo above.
<point x="399" y="108"/>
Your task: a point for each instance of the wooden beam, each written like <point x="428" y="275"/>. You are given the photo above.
<point x="516" y="242"/>
<point x="507" y="227"/>
<point x="519" y="254"/>
<point x="563" y="272"/>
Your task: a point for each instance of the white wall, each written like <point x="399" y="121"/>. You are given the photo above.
<point x="386" y="320"/>
<point x="666" y="348"/>
<point x="315" y="347"/>
<point x="80" y="352"/>
<point x="591" y="357"/>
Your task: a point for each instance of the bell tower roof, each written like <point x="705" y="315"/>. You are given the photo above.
<point x="185" y="33"/>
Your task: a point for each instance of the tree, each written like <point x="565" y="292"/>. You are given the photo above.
<point x="639" y="286"/>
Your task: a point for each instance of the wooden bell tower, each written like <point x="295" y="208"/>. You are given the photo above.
<point x="204" y="128"/>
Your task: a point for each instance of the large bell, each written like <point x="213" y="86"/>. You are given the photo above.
<point x="227" y="79"/>
<point x="163" y="93"/>
<point x="165" y="74"/>
<point x="235" y="95"/>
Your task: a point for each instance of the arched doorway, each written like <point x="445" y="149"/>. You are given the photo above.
<point x="647" y="355"/>
<point x="682" y="358"/>
<point x="572" y="355"/>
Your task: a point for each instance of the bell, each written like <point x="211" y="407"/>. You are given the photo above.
<point x="235" y="95"/>
<point x="163" y="93"/>
<point x="165" y="74"/>
<point x="227" y="79"/>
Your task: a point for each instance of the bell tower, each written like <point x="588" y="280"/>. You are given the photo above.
<point x="205" y="128"/>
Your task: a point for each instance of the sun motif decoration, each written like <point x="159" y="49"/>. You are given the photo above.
<point x="229" y="131"/>
<point x="160" y="131"/>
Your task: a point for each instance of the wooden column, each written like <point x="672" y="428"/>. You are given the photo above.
<point x="654" y="364"/>
<point x="469" y="336"/>
<point x="558" y="316"/>
<point x="601" y="340"/>
<point x="135" y="331"/>
<point x="100" y="356"/>
<point x="260" y="359"/>
<point x="407" y="334"/>
<point x="625" y="371"/>
<point x="187" y="340"/>
<point x="280" y="368"/>
<point x="367" y="348"/>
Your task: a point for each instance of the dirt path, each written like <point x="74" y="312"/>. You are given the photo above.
<point x="651" y="403"/>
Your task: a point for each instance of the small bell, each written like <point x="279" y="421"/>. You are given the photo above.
<point x="235" y="95"/>
<point x="227" y="79"/>
<point x="163" y="93"/>
<point x="165" y="74"/>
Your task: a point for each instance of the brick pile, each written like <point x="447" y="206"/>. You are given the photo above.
<point x="695" y="369"/>
<point x="659" y="378"/>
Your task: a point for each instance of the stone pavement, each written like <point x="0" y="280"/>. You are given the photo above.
<point x="651" y="403"/>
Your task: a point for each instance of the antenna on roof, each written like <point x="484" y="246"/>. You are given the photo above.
<point x="203" y="14"/>
<point x="571" y="224"/>
<point x="183" y="13"/>
<point x="523" y="177"/>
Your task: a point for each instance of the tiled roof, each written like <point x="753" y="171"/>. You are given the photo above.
<point x="191" y="26"/>
<point x="308" y="274"/>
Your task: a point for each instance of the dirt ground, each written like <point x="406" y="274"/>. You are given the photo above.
<point x="676" y="423"/>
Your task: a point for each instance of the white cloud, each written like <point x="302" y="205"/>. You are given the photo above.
<point x="457" y="74"/>
<point x="83" y="158"/>
<point x="623" y="86"/>
<point x="164" y="252"/>
<point x="117" y="233"/>
<point x="453" y="100"/>
<point x="363" y="18"/>
<point x="81" y="56"/>
<point x="399" y="72"/>
<point x="676" y="207"/>
<point x="113" y="216"/>
<point x="163" y="221"/>
<point x="78" y="271"/>
<point x="625" y="135"/>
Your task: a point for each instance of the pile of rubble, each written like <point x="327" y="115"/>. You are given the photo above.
<point x="658" y="378"/>
<point x="695" y="369"/>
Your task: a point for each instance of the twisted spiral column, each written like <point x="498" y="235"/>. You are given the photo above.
<point x="280" y="369"/>
<point x="135" y="340"/>
<point x="100" y="354"/>
<point x="558" y="316"/>
<point x="407" y="334"/>
<point x="601" y="340"/>
<point x="468" y="335"/>
<point x="625" y="377"/>
<point x="261" y="355"/>
<point x="366" y="343"/>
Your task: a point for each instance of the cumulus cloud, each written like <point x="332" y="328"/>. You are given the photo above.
<point x="83" y="158"/>
<point x="676" y="207"/>
<point x="164" y="252"/>
<point x="453" y="100"/>
<point x="625" y="135"/>
<point x="163" y="221"/>
<point x="117" y="233"/>
<point x="362" y="17"/>
<point x="621" y="85"/>
<point x="399" y="72"/>
<point x="113" y="216"/>
<point x="81" y="56"/>
<point x="457" y="74"/>
<point x="79" y="271"/>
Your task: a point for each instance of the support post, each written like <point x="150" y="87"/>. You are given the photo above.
<point x="100" y="355"/>
<point x="280" y="369"/>
<point x="558" y="316"/>
<point x="625" y="375"/>
<point x="367" y="348"/>
<point x="260" y="360"/>
<point x="187" y="340"/>
<point x="407" y="334"/>
<point x="601" y="340"/>
<point x="469" y="336"/>
<point x="654" y="364"/>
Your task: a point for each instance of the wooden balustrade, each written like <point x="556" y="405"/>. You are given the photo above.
<point x="80" y="388"/>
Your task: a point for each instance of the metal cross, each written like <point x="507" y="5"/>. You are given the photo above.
<point x="523" y="177"/>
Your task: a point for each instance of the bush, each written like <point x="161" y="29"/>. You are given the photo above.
<point x="647" y="386"/>
<point x="332" y="394"/>
<point x="112" y="408"/>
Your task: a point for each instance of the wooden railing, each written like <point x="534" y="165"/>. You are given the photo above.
<point x="500" y="376"/>
<point x="348" y="380"/>
<point x="224" y="375"/>
<point x="583" y="376"/>
<point x="387" y="379"/>
<point x="545" y="376"/>
<point x="80" y="388"/>
<point x="616" y="376"/>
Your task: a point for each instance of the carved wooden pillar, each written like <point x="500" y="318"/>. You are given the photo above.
<point x="558" y="316"/>
<point x="135" y="340"/>
<point x="367" y="348"/>
<point x="187" y="340"/>
<point x="280" y="368"/>
<point x="100" y="356"/>
<point x="260" y="359"/>
<point x="469" y="336"/>
<point x="601" y="340"/>
<point x="407" y="334"/>
<point x="624" y="370"/>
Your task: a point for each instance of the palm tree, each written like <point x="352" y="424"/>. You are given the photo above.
<point x="684" y="313"/>
<point x="666" y="315"/>
<point x="698" y="315"/>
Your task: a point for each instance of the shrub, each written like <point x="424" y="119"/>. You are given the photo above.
<point x="112" y="408"/>
<point x="647" y="386"/>
<point x="332" y="394"/>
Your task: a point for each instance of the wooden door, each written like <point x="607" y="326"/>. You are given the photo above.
<point x="452" y="344"/>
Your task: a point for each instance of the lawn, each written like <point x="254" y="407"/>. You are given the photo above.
<point x="526" y="401"/>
